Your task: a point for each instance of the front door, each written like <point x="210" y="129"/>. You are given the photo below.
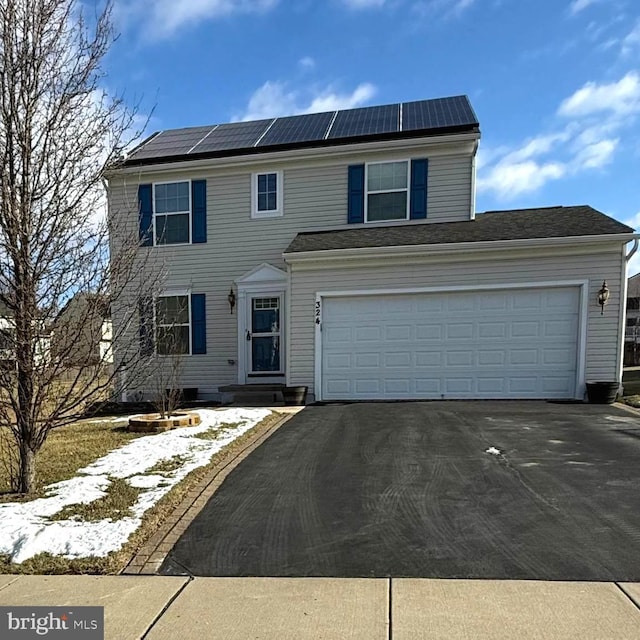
<point x="264" y="337"/>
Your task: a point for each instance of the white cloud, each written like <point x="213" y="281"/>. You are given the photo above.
<point x="508" y="180"/>
<point x="276" y="99"/>
<point x="577" y="6"/>
<point x="631" y="42"/>
<point x="587" y="142"/>
<point x="363" y="4"/>
<point x="163" y="18"/>
<point x="307" y="62"/>
<point x="443" y="8"/>
<point x="596" y="155"/>
<point x="634" y="221"/>
<point x="622" y="97"/>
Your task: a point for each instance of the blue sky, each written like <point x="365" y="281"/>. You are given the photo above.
<point x="555" y="83"/>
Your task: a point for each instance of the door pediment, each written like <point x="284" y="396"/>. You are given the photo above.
<point x="263" y="274"/>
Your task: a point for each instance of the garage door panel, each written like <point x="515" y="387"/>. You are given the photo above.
<point x="559" y="328"/>
<point x="338" y="361"/>
<point x="402" y="360"/>
<point x="459" y="358"/>
<point x="528" y="357"/>
<point x="493" y="357"/>
<point x="459" y="385"/>
<point x="428" y="359"/>
<point x="492" y="330"/>
<point x="364" y="360"/>
<point x="398" y="332"/>
<point x="459" y="331"/>
<point x="367" y="334"/>
<point x="503" y="344"/>
<point x="526" y="329"/>
<point x="428" y="387"/>
<point x="429" y="332"/>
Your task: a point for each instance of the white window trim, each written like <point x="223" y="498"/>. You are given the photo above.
<point x="171" y="294"/>
<point x="172" y="213"/>
<point x="279" y="211"/>
<point x="367" y="192"/>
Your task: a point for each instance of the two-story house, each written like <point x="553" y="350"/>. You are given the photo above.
<point x="342" y="251"/>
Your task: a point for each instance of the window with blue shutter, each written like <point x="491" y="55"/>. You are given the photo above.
<point x="198" y="323"/>
<point x="419" y="172"/>
<point x="199" y="211"/>
<point x="356" y="194"/>
<point x="145" y="214"/>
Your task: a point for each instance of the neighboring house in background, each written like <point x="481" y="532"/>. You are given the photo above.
<point x="632" y="333"/>
<point x="82" y="331"/>
<point x="7" y="339"/>
<point x="357" y="263"/>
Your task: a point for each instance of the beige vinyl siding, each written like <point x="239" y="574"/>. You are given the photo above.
<point x="602" y="349"/>
<point x="449" y="189"/>
<point x="315" y="199"/>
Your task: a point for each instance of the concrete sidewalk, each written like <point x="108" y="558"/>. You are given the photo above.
<point x="164" y="608"/>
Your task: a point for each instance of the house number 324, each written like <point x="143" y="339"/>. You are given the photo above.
<point x="317" y="311"/>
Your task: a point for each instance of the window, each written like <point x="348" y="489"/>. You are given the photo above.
<point x="387" y="191"/>
<point x="633" y="303"/>
<point x="266" y="195"/>
<point x="173" y="328"/>
<point x="172" y="212"/>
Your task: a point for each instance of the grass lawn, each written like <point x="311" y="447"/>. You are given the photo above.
<point x="71" y="448"/>
<point x="66" y="450"/>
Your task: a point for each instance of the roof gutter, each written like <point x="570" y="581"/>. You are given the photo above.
<point x="454" y="247"/>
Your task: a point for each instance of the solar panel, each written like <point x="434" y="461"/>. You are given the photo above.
<point x="236" y="135"/>
<point x="435" y="114"/>
<point x="173" y="142"/>
<point x="224" y="139"/>
<point x="366" y="121"/>
<point x="305" y="128"/>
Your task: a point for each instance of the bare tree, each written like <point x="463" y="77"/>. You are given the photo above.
<point x="59" y="131"/>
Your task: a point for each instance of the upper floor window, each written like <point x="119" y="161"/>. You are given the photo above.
<point x="266" y="194"/>
<point x="173" y="325"/>
<point x="387" y="191"/>
<point x="172" y="212"/>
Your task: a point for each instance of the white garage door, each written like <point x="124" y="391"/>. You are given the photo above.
<point x="489" y="344"/>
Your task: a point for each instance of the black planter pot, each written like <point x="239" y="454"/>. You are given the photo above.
<point x="602" y="392"/>
<point x="295" y="396"/>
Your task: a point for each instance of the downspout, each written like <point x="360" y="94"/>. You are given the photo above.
<point x="623" y="309"/>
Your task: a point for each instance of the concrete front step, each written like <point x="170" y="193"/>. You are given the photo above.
<point x="254" y="395"/>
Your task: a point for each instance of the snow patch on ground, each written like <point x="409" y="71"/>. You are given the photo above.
<point x="26" y="531"/>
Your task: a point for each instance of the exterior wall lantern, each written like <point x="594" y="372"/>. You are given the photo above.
<point x="231" y="299"/>
<point x="603" y="296"/>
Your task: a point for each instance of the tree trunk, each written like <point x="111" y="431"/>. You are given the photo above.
<point x="27" y="468"/>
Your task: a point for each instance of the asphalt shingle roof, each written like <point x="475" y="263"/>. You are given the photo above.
<point x="517" y="224"/>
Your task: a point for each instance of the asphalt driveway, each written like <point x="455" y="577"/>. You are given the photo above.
<point x="409" y="489"/>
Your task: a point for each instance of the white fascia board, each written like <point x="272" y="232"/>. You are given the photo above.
<point x="434" y="143"/>
<point x="455" y="247"/>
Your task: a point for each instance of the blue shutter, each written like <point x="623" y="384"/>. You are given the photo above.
<point x="145" y="315"/>
<point x="419" y="171"/>
<point x="356" y="194"/>
<point x="145" y="214"/>
<point x="198" y="324"/>
<point x="199" y="211"/>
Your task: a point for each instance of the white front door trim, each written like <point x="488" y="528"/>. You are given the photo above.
<point x="582" y="329"/>
<point x="265" y="280"/>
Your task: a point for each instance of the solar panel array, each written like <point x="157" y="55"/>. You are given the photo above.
<point x="423" y="115"/>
